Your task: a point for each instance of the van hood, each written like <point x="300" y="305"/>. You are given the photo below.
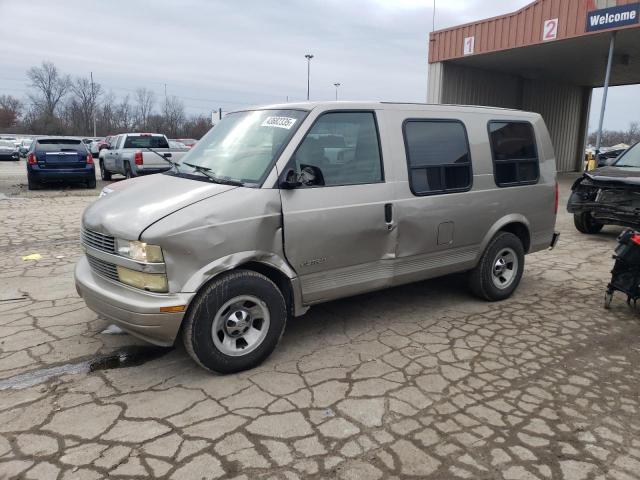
<point x="126" y="208"/>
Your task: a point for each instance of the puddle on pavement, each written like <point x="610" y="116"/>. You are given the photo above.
<point x="132" y="356"/>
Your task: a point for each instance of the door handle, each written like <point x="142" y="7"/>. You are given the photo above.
<point x="388" y="215"/>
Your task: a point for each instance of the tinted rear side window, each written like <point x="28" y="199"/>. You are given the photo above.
<point x="59" y="145"/>
<point x="515" y="156"/>
<point x="146" y="141"/>
<point x="437" y="156"/>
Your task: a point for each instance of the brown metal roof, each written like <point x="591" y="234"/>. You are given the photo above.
<point x="518" y="29"/>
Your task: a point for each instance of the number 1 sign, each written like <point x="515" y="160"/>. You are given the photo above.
<point x="550" y="29"/>
<point x="469" y="43"/>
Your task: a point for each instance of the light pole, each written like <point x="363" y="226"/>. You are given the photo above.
<point x="337" y="84"/>
<point x="308" y="56"/>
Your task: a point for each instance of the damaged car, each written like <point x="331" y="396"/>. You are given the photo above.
<point x="608" y="195"/>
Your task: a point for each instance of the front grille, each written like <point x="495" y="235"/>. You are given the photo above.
<point x="99" y="241"/>
<point x="103" y="268"/>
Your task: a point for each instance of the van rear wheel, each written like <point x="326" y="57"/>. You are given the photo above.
<point x="235" y="322"/>
<point x="499" y="271"/>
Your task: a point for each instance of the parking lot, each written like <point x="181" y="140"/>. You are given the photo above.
<point x="418" y="381"/>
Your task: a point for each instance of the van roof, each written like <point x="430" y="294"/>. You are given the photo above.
<point x="379" y="105"/>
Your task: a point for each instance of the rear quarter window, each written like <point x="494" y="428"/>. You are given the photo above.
<point x="438" y="156"/>
<point x="514" y="153"/>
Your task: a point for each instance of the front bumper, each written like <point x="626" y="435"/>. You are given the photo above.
<point x="9" y="156"/>
<point x="135" y="311"/>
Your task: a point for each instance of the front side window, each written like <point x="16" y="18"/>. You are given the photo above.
<point x="344" y="147"/>
<point x="515" y="156"/>
<point x="243" y="146"/>
<point x="437" y="156"/>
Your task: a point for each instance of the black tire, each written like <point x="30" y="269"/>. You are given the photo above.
<point x="91" y="183"/>
<point x="33" y="184"/>
<point x="127" y="171"/>
<point x="104" y="174"/>
<point x="481" y="279"/>
<point x="585" y="223"/>
<point x="197" y="328"/>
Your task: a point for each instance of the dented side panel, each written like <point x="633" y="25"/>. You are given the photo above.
<point x="209" y="237"/>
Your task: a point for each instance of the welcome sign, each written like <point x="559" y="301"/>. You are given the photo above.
<point x="613" y="17"/>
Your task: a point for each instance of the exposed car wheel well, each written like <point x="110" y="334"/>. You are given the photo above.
<point x="277" y="277"/>
<point x="521" y="231"/>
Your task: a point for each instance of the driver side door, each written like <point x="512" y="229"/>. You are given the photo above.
<point x="339" y="231"/>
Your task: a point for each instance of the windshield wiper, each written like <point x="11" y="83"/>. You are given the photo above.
<point x="173" y="164"/>
<point x="208" y="173"/>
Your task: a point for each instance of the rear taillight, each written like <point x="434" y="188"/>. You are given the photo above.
<point x="89" y="159"/>
<point x="636" y="239"/>
<point x="557" y="194"/>
<point x="31" y="159"/>
<point x="137" y="158"/>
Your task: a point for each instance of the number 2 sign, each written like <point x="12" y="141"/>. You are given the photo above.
<point x="469" y="43"/>
<point x="550" y="29"/>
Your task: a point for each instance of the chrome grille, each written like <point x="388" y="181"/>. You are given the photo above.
<point x="99" y="241"/>
<point x="103" y="268"/>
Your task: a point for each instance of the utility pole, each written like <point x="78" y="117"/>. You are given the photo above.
<point x="165" y="93"/>
<point x="612" y="46"/>
<point x="93" y="106"/>
<point x="308" y="56"/>
<point x="337" y="85"/>
<point x="433" y="19"/>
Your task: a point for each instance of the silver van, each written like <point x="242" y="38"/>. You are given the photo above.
<point x="282" y="207"/>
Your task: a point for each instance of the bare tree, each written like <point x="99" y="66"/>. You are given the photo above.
<point x="124" y="114"/>
<point x="107" y="115"/>
<point x="173" y="112"/>
<point x="86" y="94"/>
<point x="50" y="87"/>
<point x="632" y="135"/>
<point x="145" y="101"/>
<point x="10" y="108"/>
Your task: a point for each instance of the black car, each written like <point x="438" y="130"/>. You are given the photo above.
<point x="55" y="159"/>
<point x="609" y="195"/>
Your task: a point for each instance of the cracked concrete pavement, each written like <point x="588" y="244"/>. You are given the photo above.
<point x="418" y="381"/>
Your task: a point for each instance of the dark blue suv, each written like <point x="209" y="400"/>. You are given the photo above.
<point x="54" y="159"/>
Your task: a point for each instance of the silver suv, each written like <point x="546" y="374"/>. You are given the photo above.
<point x="286" y="206"/>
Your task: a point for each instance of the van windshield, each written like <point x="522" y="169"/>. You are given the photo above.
<point x="244" y="145"/>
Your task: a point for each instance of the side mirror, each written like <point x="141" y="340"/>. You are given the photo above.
<point x="290" y="180"/>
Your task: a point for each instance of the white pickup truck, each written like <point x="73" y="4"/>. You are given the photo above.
<point x="135" y="154"/>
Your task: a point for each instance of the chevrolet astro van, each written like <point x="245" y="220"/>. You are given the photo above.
<point x="282" y="207"/>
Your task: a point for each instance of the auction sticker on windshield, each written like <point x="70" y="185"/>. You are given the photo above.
<point x="279" y="122"/>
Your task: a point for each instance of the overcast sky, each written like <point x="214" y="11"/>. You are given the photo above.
<point x="230" y="54"/>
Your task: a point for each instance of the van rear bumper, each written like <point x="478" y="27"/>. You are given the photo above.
<point x="136" y="312"/>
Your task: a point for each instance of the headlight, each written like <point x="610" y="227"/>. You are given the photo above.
<point x="152" y="282"/>
<point x="140" y="251"/>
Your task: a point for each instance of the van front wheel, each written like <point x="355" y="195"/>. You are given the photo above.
<point x="235" y="322"/>
<point x="500" y="268"/>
